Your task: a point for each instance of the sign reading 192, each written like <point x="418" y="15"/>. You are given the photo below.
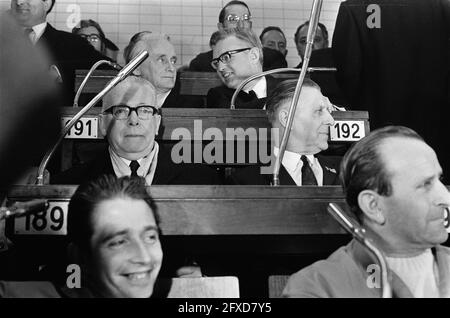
<point x="84" y="128"/>
<point x="347" y="130"/>
<point x="52" y="221"/>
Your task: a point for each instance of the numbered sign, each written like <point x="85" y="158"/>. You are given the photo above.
<point x="348" y="130"/>
<point x="52" y="221"/>
<point x="84" y="128"/>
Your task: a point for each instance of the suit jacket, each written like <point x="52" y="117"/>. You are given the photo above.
<point x="175" y="100"/>
<point x="166" y="172"/>
<point x="220" y="97"/>
<point x="252" y="176"/>
<point x="400" y="71"/>
<point x="68" y="52"/>
<point x="326" y="80"/>
<point x="271" y="59"/>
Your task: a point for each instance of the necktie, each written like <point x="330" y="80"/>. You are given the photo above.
<point x="308" y="177"/>
<point x="29" y="33"/>
<point x="134" y="166"/>
<point x="248" y="97"/>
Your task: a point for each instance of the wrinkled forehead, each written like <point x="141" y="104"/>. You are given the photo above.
<point x="131" y="93"/>
<point x="273" y="35"/>
<point x="229" y="43"/>
<point x="155" y="46"/>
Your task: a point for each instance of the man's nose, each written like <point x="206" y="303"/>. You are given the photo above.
<point x="442" y="195"/>
<point x="141" y="253"/>
<point x="133" y="119"/>
<point x="329" y="120"/>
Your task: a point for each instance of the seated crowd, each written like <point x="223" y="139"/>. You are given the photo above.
<point x="391" y="178"/>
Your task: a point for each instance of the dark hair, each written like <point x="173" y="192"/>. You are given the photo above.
<point x="91" y="23"/>
<point x="271" y="28"/>
<point x="222" y="12"/>
<point x="89" y="195"/>
<point x="362" y="167"/>
<point x="284" y="92"/>
<point x="213" y="39"/>
<point x="51" y="6"/>
<point x="321" y="26"/>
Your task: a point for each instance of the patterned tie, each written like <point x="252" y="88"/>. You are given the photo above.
<point x="308" y="177"/>
<point x="134" y="166"/>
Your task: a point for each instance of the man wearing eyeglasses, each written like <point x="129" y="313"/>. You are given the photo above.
<point x="236" y="14"/>
<point x="130" y="122"/>
<point x="68" y="52"/>
<point x="237" y="56"/>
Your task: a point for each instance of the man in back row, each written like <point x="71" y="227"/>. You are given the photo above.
<point x="130" y="121"/>
<point x="236" y="14"/>
<point x="392" y="182"/>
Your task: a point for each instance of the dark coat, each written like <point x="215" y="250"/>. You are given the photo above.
<point x="400" y="71"/>
<point x="175" y="100"/>
<point x="251" y="175"/>
<point x="68" y="52"/>
<point x="220" y="97"/>
<point x="272" y="59"/>
<point x="167" y="172"/>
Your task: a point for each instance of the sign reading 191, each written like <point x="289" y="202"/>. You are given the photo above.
<point x="84" y="128"/>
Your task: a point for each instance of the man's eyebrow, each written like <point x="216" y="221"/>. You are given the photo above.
<point x="105" y="237"/>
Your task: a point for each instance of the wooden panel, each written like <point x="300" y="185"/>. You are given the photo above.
<point x="228" y="210"/>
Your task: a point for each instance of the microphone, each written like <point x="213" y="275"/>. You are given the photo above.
<point x="127" y="69"/>
<point x="88" y="75"/>
<point x="359" y="234"/>
<point x="20" y="209"/>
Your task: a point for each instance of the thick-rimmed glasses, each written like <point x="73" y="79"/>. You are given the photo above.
<point x="225" y="58"/>
<point x="122" y="112"/>
<point x="233" y="18"/>
<point x="91" y="37"/>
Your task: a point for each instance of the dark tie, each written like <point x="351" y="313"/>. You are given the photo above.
<point x="308" y="177"/>
<point x="134" y="166"/>
<point x="248" y="97"/>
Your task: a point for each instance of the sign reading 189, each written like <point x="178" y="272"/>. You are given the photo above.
<point x="84" y="128"/>
<point x="52" y="221"/>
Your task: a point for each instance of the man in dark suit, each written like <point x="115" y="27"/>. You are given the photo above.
<point x="68" y="52"/>
<point x="130" y="122"/>
<point x="159" y="69"/>
<point x="233" y="14"/>
<point x="237" y="56"/>
<point x="393" y="61"/>
<point x="309" y="136"/>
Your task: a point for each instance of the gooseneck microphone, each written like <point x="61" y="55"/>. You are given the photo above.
<point x="126" y="70"/>
<point x="20" y="209"/>
<point x="359" y="234"/>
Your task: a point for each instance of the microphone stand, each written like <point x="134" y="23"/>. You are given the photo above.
<point x="88" y="75"/>
<point x="359" y="234"/>
<point x="314" y="20"/>
<point x="127" y="69"/>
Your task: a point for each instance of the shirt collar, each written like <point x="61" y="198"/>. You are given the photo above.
<point x="260" y="88"/>
<point x="291" y="159"/>
<point x="39" y="30"/>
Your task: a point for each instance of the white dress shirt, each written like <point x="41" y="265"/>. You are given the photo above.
<point x="293" y="164"/>
<point x="38" y="30"/>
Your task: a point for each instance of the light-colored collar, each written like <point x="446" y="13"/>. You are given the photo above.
<point x="260" y="88"/>
<point x="161" y="98"/>
<point x="38" y="31"/>
<point x="291" y="159"/>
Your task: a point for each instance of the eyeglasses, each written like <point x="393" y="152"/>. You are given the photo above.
<point x="232" y="18"/>
<point x="91" y="37"/>
<point x="122" y="112"/>
<point x="225" y="58"/>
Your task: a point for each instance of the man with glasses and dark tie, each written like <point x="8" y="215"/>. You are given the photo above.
<point x="238" y="55"/>
<point x="130" y="122"/>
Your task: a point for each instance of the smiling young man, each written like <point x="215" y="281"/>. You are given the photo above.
<point x="392" y="182"/>
<point x="113" y="230"/>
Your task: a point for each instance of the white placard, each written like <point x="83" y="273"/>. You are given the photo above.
<point x="347" y="130"/>
<point x="52" y="221"/>
<point x="84" y="128"/>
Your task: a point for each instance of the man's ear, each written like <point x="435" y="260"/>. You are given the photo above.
<point x="158" y="123"/>
<point x="103" y="123"/>
<point x="370" y="203"/>
<point x="47" y="4"/>
<point x="283" y="117"/>
<point x="220" y="26"/>
<point x="254" y="55"/>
